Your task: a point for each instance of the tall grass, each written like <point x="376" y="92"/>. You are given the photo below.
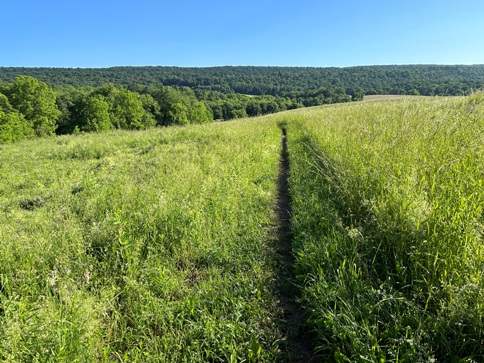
<point x="145" y="246"/>
<point x="388" y="222"/>
<point x="159" y="245"/>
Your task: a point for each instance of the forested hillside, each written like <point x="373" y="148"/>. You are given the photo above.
<point x="29" y="107"/>
<point x="277" y="81"/>
<point x="48" y="101"/>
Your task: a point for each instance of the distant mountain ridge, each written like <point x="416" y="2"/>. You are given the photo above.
<point x="277" y="81"/>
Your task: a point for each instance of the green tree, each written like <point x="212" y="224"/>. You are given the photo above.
<point x="128" y="111"/>
<point x="68" y="102"/>
<point x="199" y="113"/>
<point x="178" y="114"/>
<point x="356" y="93"/>
<point x="173" y="109"/>
<point x="94" y="116"/>
<point x="37" y="103"/>
<point x="217" y="109"/>
<point x="13" y="127"/>
<point x="415" y="92"/>
<point x="4" y="104"/>
<point x="152" y="109"/>
<point x="253" y="108"/>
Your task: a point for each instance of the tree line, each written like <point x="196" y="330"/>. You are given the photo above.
<point x="29" y="107"/>
<point x="291" y="82"/>
<point x="49" y="101"/>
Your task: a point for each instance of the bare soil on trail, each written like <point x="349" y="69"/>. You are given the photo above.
<point x="299" y="348"/>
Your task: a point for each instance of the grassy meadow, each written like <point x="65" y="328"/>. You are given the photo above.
<point x="388" y="228"/>
<point x="162" y="245"/>
<point x="141" y="246"/>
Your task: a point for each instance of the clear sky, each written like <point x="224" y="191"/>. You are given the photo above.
<point x="103" y="33"/>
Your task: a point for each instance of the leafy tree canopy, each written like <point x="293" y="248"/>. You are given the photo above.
<point x="13" y="127"/>
<point x="36" y="102"/>
<point x="277" y="81"/>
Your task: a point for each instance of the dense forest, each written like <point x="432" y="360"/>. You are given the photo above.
<point x="49" y="101"/>
<point x="29" y="107"/>
<point x="291" y="82"/>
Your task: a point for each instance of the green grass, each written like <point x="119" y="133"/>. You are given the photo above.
<point x="141" y="246"/>
<point x="387" y="224"/>
<point x="161" y="245"/>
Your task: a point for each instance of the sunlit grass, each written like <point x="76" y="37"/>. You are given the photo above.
<point x="140" y="246"/>
<point x="159" y="245"/>
<point x="387" y="201"/>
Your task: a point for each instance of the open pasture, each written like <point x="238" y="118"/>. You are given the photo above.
<point x="387" y="201"/>
<point x="163" y="245"/>
<point x="141" y="246"/>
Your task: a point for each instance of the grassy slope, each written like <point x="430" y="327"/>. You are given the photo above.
<point x="149" y="246"/>
<point x="387" y="222"/>
<point x="157" y="245"/>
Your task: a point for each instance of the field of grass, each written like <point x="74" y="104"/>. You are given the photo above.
<point x="388" y="228"/>
<point x="383" y="97"/>
<point x="162" y="245"/>
<point x="141" y="246"/>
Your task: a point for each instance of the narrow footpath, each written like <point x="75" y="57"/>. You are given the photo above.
<point x="298" y="347"/>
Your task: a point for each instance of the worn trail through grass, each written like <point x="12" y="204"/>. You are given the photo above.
<point x="298" y="343"/>
<point x="361" y="239"/>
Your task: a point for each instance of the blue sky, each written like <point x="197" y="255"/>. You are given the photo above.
<point x="103" y="33"/>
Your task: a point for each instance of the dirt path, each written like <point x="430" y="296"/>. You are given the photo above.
<point x="298" y="347"/>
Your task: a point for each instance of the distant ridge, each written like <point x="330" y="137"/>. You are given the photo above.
<point x="282" y="81"/>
